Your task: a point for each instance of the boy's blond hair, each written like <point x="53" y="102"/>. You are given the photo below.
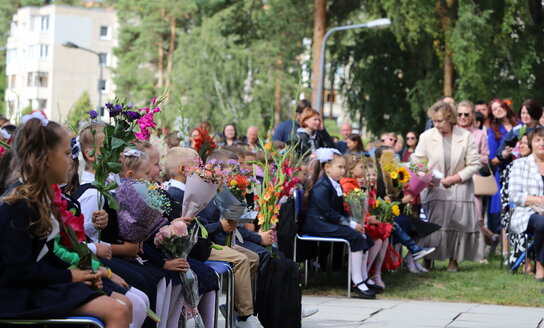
<point x="179" y="156"/>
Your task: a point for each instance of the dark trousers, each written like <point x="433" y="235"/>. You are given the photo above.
<point x="535" y="226"/>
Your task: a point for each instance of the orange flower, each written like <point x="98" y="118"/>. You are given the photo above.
<point x="274" y="219"/>
<point x="260" y="218"/>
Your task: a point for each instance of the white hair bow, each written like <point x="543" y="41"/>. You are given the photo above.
<point x="326" y="154"/>
<point x="132" y="153"/>
<point x="37" y="115"/>
<point x="5" y="134"/>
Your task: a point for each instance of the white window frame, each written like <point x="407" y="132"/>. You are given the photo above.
<point x="108" y="33"/>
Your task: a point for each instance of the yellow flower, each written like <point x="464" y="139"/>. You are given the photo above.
<point x="404" y="175"/>
<point x="268" y="146"/>
<point x="395" y="209"/>
<point x="394" y="175"/>
<point x="377" y="203"/>
<point x="233" y="183"/>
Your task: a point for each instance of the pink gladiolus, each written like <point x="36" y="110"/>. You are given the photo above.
<point x="146" y="122"/>
<point x="179" y="228"/>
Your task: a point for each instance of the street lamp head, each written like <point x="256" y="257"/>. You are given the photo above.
<point x="70" y="45"/>
<point x="382" y="22"/>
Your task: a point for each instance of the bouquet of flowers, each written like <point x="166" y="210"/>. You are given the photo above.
<point x="201" y="185"/>
<point x="291" y="181"/>
<point x="420" y="176"/>
<point x="357" y="204"/>
<point x="395" y="176"/>
<point x="232" y="202"/>
<point x="176" y="242"/>
<point x="117" y="138"/>
<point x="385" y="211"/>
<point x="142" y="206"/>
<point x="204" y="143"/>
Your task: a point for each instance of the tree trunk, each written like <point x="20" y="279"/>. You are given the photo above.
<point x="171" y="50"/>
<point x="160" y="59"/>
<point x="320" y="24"/>
<point x="447" y="17"/>
<point x="277" y="91"/>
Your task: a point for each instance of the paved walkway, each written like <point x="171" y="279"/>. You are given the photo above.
<point x="348" y="313"/>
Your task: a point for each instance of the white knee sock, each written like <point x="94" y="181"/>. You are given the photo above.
<point x="139" y="306"/>
<point x="176" y="307"/>
<point x="358" y="260"/>
<point x="206" y="307"/>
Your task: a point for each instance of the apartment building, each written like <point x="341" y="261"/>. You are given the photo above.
<point x="45" y="74"/>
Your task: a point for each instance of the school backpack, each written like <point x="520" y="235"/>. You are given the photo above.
<point x="279" y="294"/>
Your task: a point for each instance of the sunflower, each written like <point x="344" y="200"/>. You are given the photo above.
<point x="403" y="175"/>
<point x="396" y="210"/>
<point x="394" y="175"/>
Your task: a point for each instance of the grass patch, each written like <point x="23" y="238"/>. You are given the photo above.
<point x="483" y="283"/>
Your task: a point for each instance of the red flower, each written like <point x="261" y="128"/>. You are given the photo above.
<point x="68" y="218"/>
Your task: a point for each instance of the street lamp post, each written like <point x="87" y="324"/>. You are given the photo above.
<point x="382" y="22"/>
<point x="75" y="46"/>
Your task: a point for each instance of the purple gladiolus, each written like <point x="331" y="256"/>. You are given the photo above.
<point x="93" y="114"/>
<point x="109" y="106"/>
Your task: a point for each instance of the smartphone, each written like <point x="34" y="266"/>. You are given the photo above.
<point x="512" y="143"/>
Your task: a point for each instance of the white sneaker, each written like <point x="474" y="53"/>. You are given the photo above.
<point x="308" y="310"/>
<point x="251" y="322"/>
<point x="420" y="267"/>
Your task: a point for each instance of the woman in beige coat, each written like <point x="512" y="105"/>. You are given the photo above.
<point x="449" y="201"/>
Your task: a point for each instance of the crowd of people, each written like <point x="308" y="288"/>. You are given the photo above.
<point x="446" y="221"/>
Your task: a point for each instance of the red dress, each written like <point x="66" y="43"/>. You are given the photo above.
<point x="374" y="230"/>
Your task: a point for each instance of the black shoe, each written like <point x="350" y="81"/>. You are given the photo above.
<point x="365" y="294"/>
<point x="373" y="287"/>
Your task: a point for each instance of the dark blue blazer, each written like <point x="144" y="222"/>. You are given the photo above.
<point x="176" y="201"/>
<point x="342" y="146"/>
<point x="326" y="209"/>
<point x="210" y="217"/>
<point x="283" y="131"/>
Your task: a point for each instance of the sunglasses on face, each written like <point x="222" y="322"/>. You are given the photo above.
<point x="390" y="139"/>
<point x="463" y="114"/>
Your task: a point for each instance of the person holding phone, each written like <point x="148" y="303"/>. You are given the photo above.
<point x="503" y="120"/>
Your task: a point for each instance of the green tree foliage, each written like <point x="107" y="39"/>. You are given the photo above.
<point x="495" y="49"/>
<point x="80" y="110"/>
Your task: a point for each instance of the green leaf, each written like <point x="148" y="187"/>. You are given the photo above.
<point x="112" y="202"/>
<point x="214" y="246"/>
<point x="111" y="186"/>
<point x="114" y="167"/>
<point x="117" y="143"/>
<point x="152" y="315"/>
<point x="203" y="231"/>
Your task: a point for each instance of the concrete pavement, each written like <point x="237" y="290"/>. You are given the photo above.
<point x="348" y="313"/>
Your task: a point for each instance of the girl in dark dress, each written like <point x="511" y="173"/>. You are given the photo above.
<point x="34" y="282"/>
<point x="326" y="217"/>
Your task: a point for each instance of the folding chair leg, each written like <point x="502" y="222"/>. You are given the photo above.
<point x="306" y="273"/>
<point x="349" y="271"/>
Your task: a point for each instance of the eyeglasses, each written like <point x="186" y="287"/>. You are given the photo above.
<point x="390" y="139"/>
<point x="463" y="114"/>
<point x="410" y="138"/>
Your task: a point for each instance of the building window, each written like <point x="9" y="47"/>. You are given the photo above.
<point x="103" y="86"/>
<point x="38" y="79"/>
<point x="44" y="51"/>
<point x="11" y="81"/>
<point x="11" y="56"/>
<point x="105" y="32"/>
<point x="40" y="51"/>
<point x="44" y="26"/>
<point x="42" y="103"/>
<point x="103" y="58"/>
<point x="30" y="79"/>
<point x="39" y="23"/>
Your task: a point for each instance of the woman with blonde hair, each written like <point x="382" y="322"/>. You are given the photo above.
<point x="449" y="201"/>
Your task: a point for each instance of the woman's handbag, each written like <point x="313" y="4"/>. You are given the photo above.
<point x="485" y="186"/>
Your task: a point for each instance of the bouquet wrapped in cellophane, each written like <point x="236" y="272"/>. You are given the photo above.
<point x="176" y="242"/>
<point x="395" y="176"/>
<point x="231" y="200"/>
<point x="141" y="209"/>
<point x="420" y="176"/>
<point x="357" y="202"/>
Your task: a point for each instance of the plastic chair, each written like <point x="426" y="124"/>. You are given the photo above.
<point x="222" y="268"/>
<point x="306" y="237"/>
<point x="69" y="321"/>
